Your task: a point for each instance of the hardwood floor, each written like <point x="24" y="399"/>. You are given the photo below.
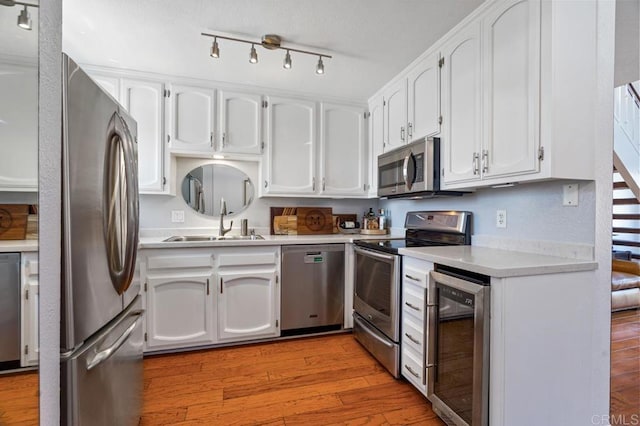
<point x="625" y="366"/>
<point x="19" y="399"/>
<point x="327" y="380"/>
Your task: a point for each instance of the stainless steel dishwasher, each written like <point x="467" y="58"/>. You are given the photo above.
<point x="312" y="287"/>
<point x="9" y="307"/>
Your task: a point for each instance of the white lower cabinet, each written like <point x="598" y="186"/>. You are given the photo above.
<point x="203" y="296"/>
<point x="29" y="290"/>
<point x="249" y="293"/>
<point x="414" y="339"/>
<point x="179" y="298"/>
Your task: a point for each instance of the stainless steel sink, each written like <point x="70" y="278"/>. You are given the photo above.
<point x="181" y="238"/>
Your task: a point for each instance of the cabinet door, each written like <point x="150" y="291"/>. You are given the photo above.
<point x="109" y="84"/>
<point x="144" y="100"/>
<point x="290" y="166"/>
<point x="191" y="119"/>
<point x="511" y="59"/>
<point x="424" y="99"/>
<point x="240" y="122"/>
<point x="179" y="311"/>
<point x="19" y="128"/>
<point x="342" y="150"/>
<point x="247" y="305"/>
<point x="461" y="101"/>
<point x="395" y="115"/>
<point x="376" y="141"/>
<point x="29" y="310"/>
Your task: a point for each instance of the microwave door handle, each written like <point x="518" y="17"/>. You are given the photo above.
<point x="405" y="172"/>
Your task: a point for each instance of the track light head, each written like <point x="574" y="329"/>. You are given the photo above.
<point x="24" y="20"/>
<point x="215" y="50"/>
<point x="320" y="66"/>
<point x="287" y="61"/>
<point x="253" y="57"/>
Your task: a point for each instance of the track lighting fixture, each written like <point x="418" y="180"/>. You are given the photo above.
<point x="270" y="42"/>
<point x="24" y="19"/>
<point x="215" y="50"/>
<point x="320" y="66"/>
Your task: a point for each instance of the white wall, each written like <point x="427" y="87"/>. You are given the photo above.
<point x="155" y="210"/>
<point x="627" y="34"/>
<point x="534" y="211"/>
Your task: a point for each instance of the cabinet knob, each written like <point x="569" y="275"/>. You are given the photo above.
<point x="265" y="184"/>
<point x="402" y="133"/>
<point x="410" y="130"/>
<point x="485" y="160"/>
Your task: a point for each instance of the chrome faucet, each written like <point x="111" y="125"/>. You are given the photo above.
<point x="223" y="212"/>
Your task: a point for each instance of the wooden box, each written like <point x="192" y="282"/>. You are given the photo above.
<point x="314" y="220"/>
<point x="13" y="221"/>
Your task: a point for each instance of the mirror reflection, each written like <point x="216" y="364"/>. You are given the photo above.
<point x="18" y="212"/>
<point x="205" y="186"/>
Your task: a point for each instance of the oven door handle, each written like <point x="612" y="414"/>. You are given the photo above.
<point x="371" y="333"/>
<point x="370" y="253"/>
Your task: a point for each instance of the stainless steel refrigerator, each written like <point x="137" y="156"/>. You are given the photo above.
<point x="101" y="328"/>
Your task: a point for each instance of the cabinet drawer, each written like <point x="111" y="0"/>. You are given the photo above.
<point x="415" y="276"/>
<point x="413" y="335"/>
<point x="412" y="367"/>
<point x="414" y="301"/>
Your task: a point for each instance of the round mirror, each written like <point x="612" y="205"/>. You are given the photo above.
<point x="204" y="187"/>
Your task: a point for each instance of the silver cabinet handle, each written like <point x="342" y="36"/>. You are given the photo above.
<point x="207" y="286"/>
<point x="323" y="184"/>
<point x="485" y="160"/>
<point x="211" y="139"/>
<point x="412" y="278"/>
<point x="414" y="307"/>
<point x="104" y="355"/>
<point x="224" y="139"/>
<point x="265" y="184"/>
<point x="221" y="286"/>
<point x="413" y="373"/>
<point x="413" y="339"/>
<point x="476" y="166"/>
<point x="410" y="130"/>
<point x="313" y="184"/>
<point x="402" y="133"/>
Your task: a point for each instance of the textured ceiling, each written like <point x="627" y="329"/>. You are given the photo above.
<point x="370" y="40"/>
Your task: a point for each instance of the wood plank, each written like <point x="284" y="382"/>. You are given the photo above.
<point x="626" y="230"/>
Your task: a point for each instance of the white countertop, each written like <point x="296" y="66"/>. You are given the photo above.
<point x="498" y="263"/>
<point x="269" y="240"/>
<point x="8" y="246"/>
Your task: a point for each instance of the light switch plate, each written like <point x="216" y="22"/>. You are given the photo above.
<point x="177" y="216"/>
<point x="570" y="194"/>
<point x="501" y="218"/>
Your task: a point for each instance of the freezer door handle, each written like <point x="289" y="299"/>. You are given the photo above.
<point x="105" y="354"/>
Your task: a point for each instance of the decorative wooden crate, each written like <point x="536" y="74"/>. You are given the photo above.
<point x="13" y="221"/>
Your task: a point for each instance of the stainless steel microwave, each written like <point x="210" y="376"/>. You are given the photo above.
<point x="410" y="170"/>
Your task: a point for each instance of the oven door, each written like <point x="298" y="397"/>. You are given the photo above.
<point x="377" y="290"/>
<point x="458" y="354"/>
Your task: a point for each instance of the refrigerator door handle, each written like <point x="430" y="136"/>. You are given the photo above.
<point x="120" y="217"/>
<point x="105" y="354"/>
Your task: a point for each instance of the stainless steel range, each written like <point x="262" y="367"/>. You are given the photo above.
<point x="378" y="268"/>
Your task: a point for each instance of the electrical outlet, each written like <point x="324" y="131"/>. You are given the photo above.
<point x="501" y="218"/>
<point x="177" y="216"/>
<point x="570" y="194"/>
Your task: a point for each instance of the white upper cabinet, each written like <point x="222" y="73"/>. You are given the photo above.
<point x="19" y="128"/>
<point x="289" y="167"/>
<point x="342" y="150"/>
<point x="191" y="119"/>
<point x="461" y="105"/>
<point x="423" y="112"/>
<point x="511" y="58"/>
<point x="395" y="115"/>
<point x="240" y="122"/>
<point x="144" y="100"/>
<point x="109" y="84"/>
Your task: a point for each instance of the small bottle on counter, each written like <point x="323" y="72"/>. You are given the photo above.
<point x="382" y="219"/>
